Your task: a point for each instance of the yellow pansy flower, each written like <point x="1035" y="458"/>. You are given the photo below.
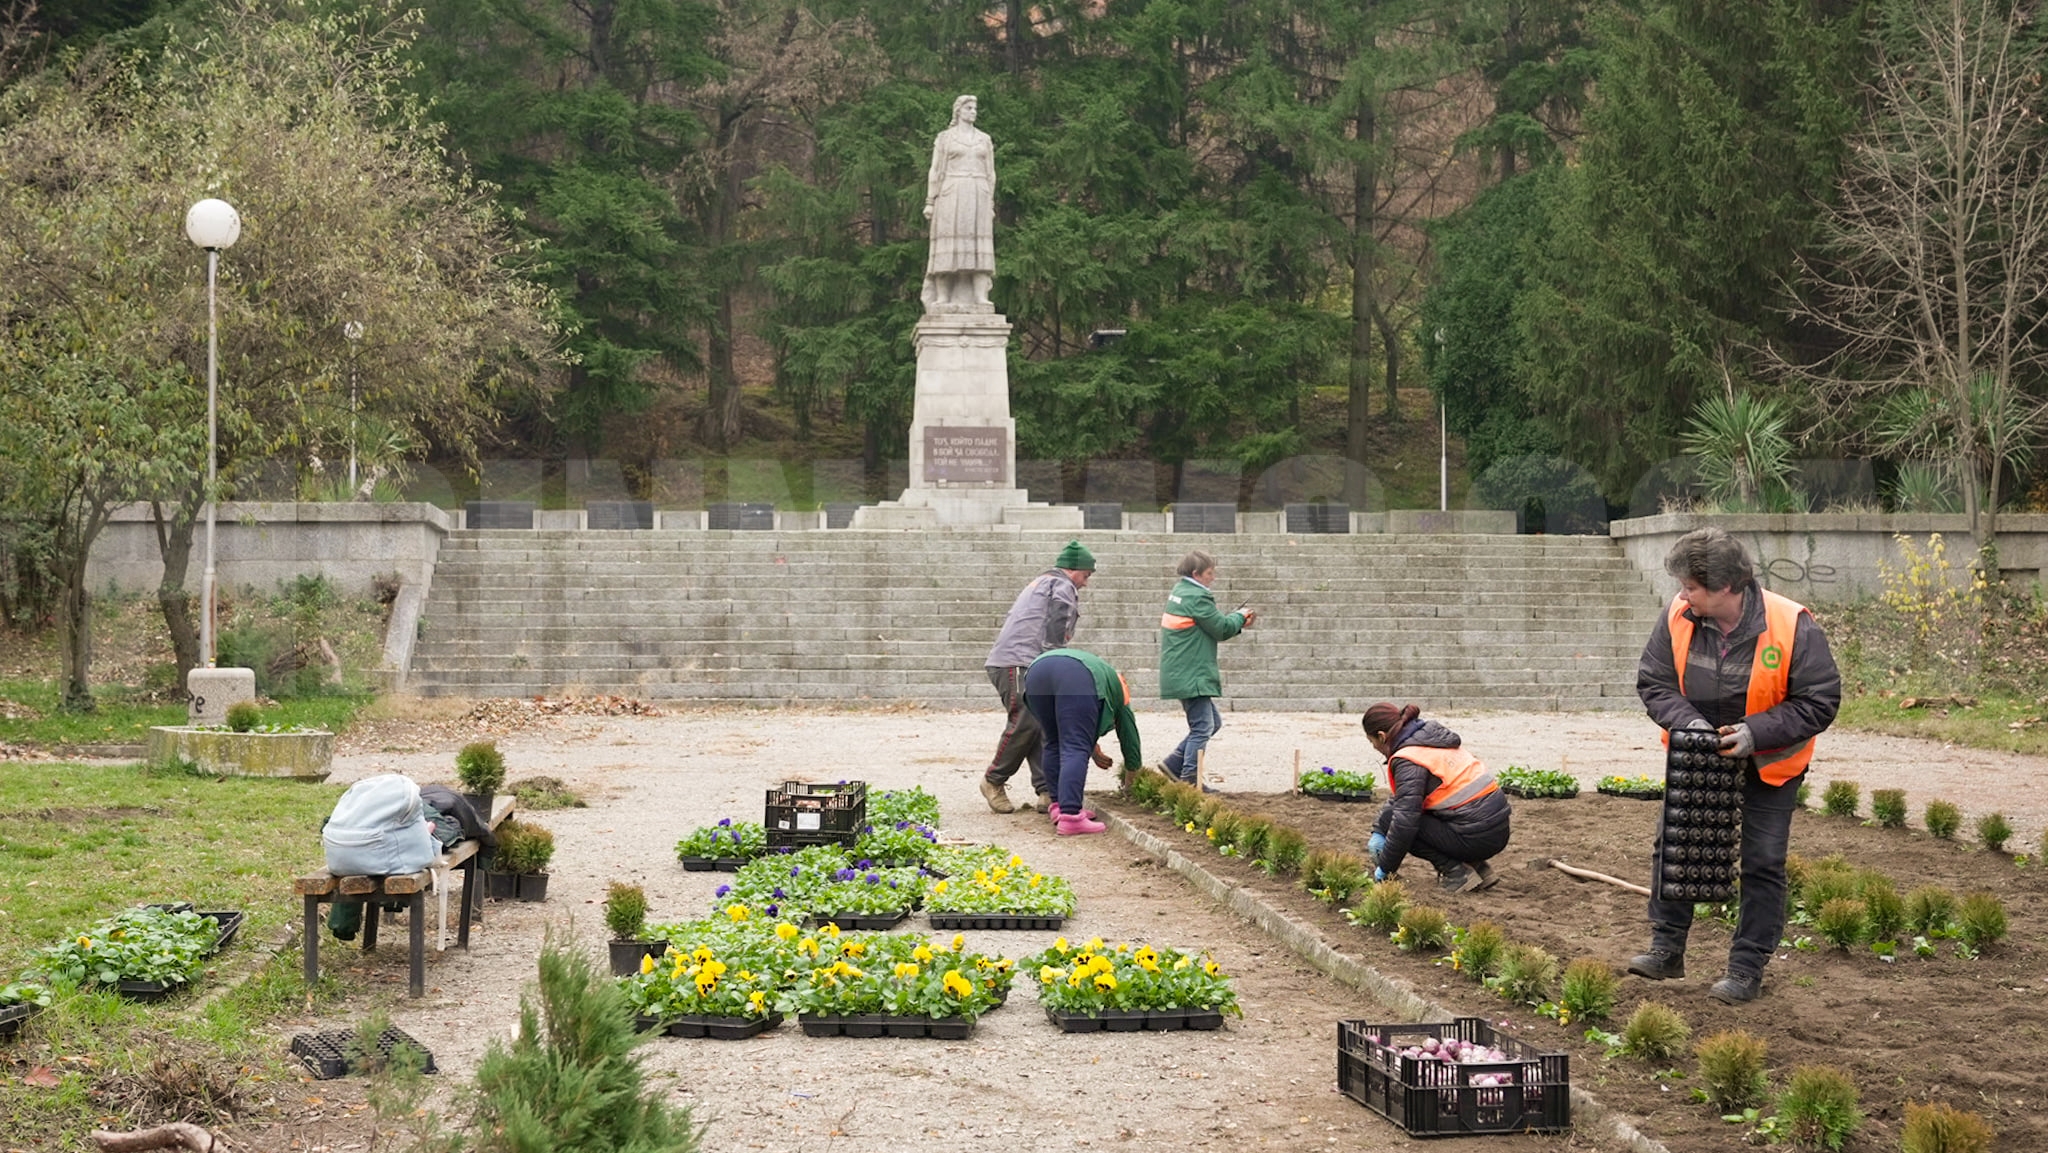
<point x="1183" y="963"/>
<point x="1036" y="878"/>
<point x="959" y="941"/>
<point x="808" y="947"/>
<point x="1060" y="944"/>
<point x="854" y="948"/>
<point x="922" y="953"/>
<point x="905" y="970"/>
<point x="1105" y="981"/>
<point x="702" y="953"/>
<point x="736" y="912"/>
<point x="830" y="930"/>
<point x="785" y="930"/>
<point x="1123" y="946"/>
<point x="758" y="1000"/>
<point x="1094" y="945"/>
<point x="647" y="963"/>
<point x="956" y="984"/>
<point x="1190" y="826"/>
<point x="1047" y="974"/>
<point x="1015" y="860"/>
<point x="1211" y="968"/>
<point x="939" y="887"/>
<point x="84" y="942"/>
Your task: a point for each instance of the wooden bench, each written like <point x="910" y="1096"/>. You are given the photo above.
<point x="371" y="892"/>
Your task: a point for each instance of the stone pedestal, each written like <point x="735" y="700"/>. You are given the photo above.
<point x="963" y="442"/>
<point x="213" y="690"/>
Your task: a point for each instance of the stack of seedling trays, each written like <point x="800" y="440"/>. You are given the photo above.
<point x="228" y="924"/>
<point x="1700" y="838"/>
<point x="338" y="1053"/>
<point x="1380" y="1067"/>
<point x="799" y="815"/>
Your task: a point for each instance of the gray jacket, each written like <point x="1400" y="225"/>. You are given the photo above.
<point x="1044" y="617"/>
<point x="1717" y="678"/>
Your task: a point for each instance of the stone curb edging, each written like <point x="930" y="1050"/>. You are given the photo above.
<point x="1397" y="995"/>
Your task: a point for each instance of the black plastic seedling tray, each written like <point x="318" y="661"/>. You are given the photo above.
<point x="995" y="921"/>
<point x="328" y="1055"/>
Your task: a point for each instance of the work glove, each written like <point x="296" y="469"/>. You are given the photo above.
<point x="1737" y="741"/>
<point x="1378" y="875"/>
<point x="1100" y="758"/>
<point x="1374" y="845"/>
<point x="1699" y="723"/>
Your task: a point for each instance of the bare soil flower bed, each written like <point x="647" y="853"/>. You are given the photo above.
<point x="1965" y="1031"/>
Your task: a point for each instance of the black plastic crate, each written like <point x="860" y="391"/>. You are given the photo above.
<point x="1319" y="517"/>
<point x="1431" y="1098"/>
<point x="1193" y="517"/>
<point x="799" y="814"/>
<point x="329" y="1055"/>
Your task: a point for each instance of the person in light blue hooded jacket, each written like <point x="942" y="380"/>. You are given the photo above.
<point x="379" y="828"/>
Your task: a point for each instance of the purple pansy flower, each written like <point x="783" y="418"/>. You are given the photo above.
<point x="722" y="890"/>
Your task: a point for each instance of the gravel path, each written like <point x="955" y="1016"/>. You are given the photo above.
<point x="1264" y="1081"/>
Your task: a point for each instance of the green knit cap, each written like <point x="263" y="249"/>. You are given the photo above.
<point x="1077" y="557"/>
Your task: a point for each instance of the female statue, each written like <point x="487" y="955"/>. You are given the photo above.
<point x="959" y="200"/>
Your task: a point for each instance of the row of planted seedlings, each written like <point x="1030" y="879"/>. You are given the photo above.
<point x="804" y="931"/>
<point x="1816" y="1107"/>
<point x="1942" y="819"/>
<point x="145" y="953"/>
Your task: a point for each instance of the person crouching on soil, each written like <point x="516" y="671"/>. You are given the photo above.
<point x="1076" y="697"/>
<point x="1445" y="806"/>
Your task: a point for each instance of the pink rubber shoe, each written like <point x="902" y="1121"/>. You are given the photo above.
<point x="1053" y="811"/>
<point x="1074" y="826"/>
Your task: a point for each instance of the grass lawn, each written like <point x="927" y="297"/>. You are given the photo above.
<point x="126" y="714"/>
<point x="80" y="843"/>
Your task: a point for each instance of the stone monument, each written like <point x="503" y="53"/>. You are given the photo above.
<point x="963" y="441"/>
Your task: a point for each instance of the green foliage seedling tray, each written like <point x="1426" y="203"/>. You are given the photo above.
<point x="230" y="921"/>
<point x="995" y="921"/>
<point x="1341" y="796"/>
<point x="1135" y="1020"/>
<point x="721" y="1028"/>
<point x="886" y="1025"/>
<point x="1539" y="794"/>
<point x="713" y="864"/>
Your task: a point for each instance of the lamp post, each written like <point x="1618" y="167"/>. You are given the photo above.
<point x="354" y="331"/>
<point x="213" y="225"/>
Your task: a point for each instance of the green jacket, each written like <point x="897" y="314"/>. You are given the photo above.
<point x="1115" y="696"/>
<point x="1189" y="631"/>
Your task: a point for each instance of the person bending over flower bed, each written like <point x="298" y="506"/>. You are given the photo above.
<point x="1076" y="697"/>
<point x="1445" y="806"/>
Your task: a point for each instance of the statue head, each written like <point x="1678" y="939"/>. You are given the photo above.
<point x="964" y="108"/>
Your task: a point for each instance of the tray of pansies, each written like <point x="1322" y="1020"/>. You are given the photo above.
<point x="720" y="979"/>
<point x="724" y="846"/>
<point x="1341" y="785"/>
<point x="145" y="953"/>
<point x="897" y="843"/>
<point x="1126" y="988"/>
<point x="20" y="1001"/>
<point x="895" y="985"/>
<point x="824" y="880"/>
<point x="913" y="804"/>
<point x="999" y="893"/>
<point x="1640" y="788"/>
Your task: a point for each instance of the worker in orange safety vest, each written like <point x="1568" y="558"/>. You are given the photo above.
<point x="1443" y="806"/>
<point x="1754" y="667"/>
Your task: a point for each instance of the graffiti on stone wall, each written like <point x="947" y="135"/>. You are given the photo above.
<point x="1786" y="573"/>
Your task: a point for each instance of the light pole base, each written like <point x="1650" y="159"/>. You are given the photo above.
<point x="213" y="690"/>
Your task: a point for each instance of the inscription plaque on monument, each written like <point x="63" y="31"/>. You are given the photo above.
<point x="965" y="454"/>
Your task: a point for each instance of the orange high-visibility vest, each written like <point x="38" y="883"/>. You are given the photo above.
<point x="1769" y="676"/>
<point x="1465" y="777"/>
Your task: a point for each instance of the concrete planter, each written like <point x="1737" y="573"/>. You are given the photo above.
<point x="300" y="756"/>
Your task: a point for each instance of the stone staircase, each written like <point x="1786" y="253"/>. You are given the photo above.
<point x="1449" y="622"/>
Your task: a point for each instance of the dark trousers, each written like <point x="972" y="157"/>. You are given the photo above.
<point x="1760" y="923"/>
<point x="1021" y="740"/>
<point x="1061" y="695"/>
<point x="1444" y="846"/>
